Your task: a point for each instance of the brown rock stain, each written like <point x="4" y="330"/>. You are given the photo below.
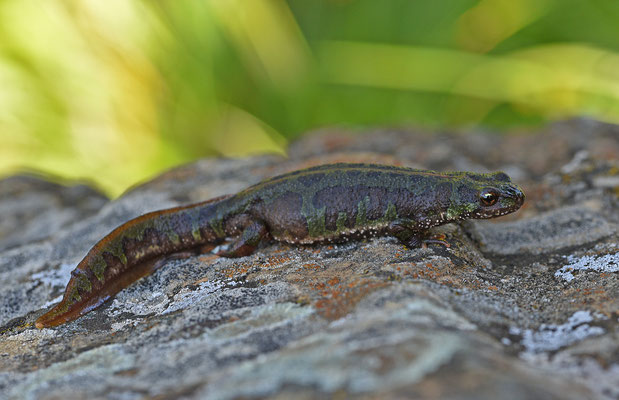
<point x="593" y="297"/>
<point x="275" y="262"/>
<point x="444" y="273"/>
<point x="339" y="300"/>
<point x="237" y="270"/>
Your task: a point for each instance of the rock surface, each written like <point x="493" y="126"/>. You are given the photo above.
<point x="525" y="306"/>
<point x="34" y="209"/>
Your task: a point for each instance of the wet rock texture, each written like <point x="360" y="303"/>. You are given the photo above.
<point x="522" y="307"/>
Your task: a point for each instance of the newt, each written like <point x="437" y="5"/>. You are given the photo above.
<point x="327" y="203"/>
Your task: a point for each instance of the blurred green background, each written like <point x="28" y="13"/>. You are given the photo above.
<point x="114" y="91"/>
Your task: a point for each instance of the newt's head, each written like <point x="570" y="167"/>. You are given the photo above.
<point x="487" y="196"/>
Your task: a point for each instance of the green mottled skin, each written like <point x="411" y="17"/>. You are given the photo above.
<point x="320" y="204"/>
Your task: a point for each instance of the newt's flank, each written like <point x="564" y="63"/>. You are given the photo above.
<point x="328" y="203"/>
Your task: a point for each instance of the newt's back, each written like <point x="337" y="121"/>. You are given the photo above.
<point x="335" y="201"/>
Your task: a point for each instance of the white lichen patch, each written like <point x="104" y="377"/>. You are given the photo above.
<point x="116" y="326"/>
<point x="55" y="276"/>
<point x="553" y="337"/>
<point x="33" y="335"/>
<point x="145" y="304"/>
<point x="605" y="263"/>
<point x="186" y="297"/>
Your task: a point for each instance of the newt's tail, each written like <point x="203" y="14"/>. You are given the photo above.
<point x="131" y="251"/>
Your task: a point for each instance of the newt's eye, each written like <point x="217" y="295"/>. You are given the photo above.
<point x="488" y="197"/>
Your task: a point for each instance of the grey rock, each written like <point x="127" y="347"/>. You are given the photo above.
<point x="516" y="308"/>
<point x="33" y="209"/>
<point x="565" y="227"/>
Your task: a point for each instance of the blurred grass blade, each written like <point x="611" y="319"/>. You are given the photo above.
<point x="266" y="33"/>
<point x="238" y="126"/>
<point x="560" y="79"/>
<point x="490" y="22"/>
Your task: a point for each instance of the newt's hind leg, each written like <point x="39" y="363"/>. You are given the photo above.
<point x="246" y="243"/>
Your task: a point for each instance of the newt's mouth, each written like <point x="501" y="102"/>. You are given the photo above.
<point x="515" y="193"/>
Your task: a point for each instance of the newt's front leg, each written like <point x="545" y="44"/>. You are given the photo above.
<point x="403" y="230"/>
<point x="409" y="235"/>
